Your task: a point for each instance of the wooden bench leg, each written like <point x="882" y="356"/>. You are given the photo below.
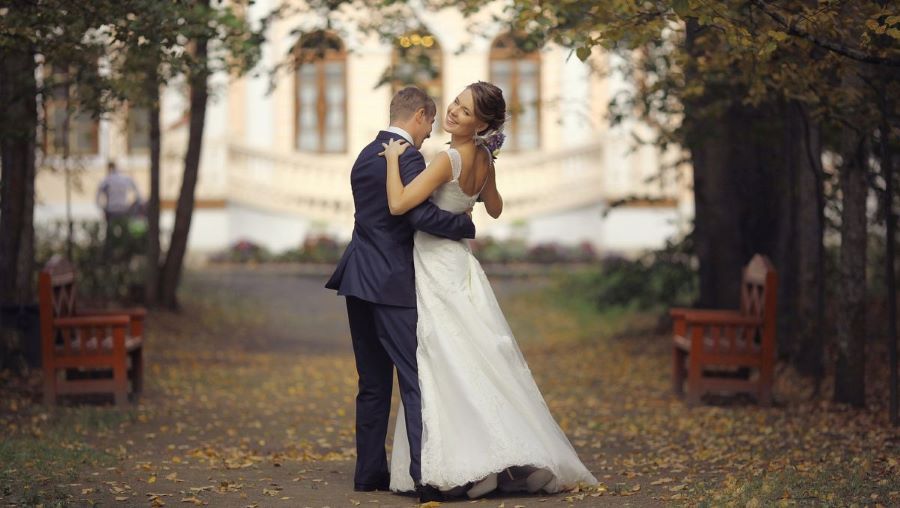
<point x="137" y="370"/>
<point x="678" y="371"/>
<point x="120" y="380"/>
<point x="695" y="374"/>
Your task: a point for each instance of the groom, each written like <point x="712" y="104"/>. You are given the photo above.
<point x="377" y="277"/>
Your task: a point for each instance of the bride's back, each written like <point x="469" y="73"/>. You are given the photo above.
<point x="475" y="167"/>
<point x="470" y="169"/>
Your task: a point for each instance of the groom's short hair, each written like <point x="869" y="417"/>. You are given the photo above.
<point x="409" y="100"/>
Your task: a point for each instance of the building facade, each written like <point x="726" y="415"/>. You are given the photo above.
<point x="277" y="151"/>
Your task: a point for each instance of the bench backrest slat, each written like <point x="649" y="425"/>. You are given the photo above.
<point x="56" y="294"/>
<point x="759" y="298"/>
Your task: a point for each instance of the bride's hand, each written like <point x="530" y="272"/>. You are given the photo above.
<point x="394" y="147"/>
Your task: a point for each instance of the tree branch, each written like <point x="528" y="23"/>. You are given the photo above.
<point x="835" y="47"/>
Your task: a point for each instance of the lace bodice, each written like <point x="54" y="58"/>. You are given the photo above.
<point x="450" y="196"/>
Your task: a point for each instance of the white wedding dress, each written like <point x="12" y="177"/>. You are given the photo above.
<point x="481" y="409"/>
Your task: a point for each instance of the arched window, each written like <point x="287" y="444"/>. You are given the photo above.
<point x="321" y="93"/>
<point x="83" y="128"/>
<point x="417" y="60"/>
<point x="518" y="73"/>
<point x="137" y="129"/>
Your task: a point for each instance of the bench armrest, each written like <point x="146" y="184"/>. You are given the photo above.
<point x="108" y="320"/>
<point x="134" y="312"/>
<point x="137" y="316"/>
<point x="721" y="318"/>
<point x="683" y="312"/>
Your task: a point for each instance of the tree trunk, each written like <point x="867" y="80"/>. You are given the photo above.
<point x="717" y="232"/>
<point x="849" y="384"/>
<point x="758" y="189"/>
<point x="17" y="149"/>
<point x="25" y="280"/>
<point x="887" y="170"/>
<point x="808" y="246"/>
<point x="171" y="271"/>
<point x="152" y="279"/>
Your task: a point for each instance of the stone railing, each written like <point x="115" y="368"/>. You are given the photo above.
<point x="318" y="186"/>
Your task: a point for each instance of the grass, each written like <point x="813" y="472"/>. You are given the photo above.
<point x="849" y="483"/>
<point x="565" y="297"/>
<point x="42" y="451"/>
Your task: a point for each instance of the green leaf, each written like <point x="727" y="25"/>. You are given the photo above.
<point x="583" y="53"/>
<point x="681" y="7"/>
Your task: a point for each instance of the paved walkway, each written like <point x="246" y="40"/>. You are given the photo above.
<point x="250" y="401"/>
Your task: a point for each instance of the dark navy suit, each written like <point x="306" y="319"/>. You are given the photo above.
<point x="377" y="276"/>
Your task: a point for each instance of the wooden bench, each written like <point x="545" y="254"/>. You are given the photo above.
<point x="86" y="351"/>
<point x="729" y="350"/>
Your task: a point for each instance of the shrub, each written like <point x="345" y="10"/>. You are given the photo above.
<point x="489" y="250"/>
<point x="660" y="278"/>
<point x="109" y="269"/>
<point x="315" y="249"/>
<point x="242" y="251"/>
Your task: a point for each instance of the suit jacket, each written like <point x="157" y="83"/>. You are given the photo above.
<point x="378" y="264"/>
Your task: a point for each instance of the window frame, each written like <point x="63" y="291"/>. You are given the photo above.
<point x="325" y="55"/>
<point x="504" y="47"/>
<point x="129" y="111"/>
<point x="50" y="104"/>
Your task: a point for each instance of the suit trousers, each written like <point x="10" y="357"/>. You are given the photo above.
<point x="384" y="337"/>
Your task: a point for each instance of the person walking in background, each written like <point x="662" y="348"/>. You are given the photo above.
<point x="112" y="194"/>
<point x="120" y="200"/>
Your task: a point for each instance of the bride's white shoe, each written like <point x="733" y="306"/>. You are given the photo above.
<point x="538" y="480"/>
<point x="525" y="479"/>
<point x="489" y="484"/>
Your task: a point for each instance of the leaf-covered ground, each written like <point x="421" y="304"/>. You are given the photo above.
<point x="249" y="402"/>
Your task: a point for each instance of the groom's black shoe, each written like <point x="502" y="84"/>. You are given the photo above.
<point x="372" y="487"/>
<point x="428" y="493"/>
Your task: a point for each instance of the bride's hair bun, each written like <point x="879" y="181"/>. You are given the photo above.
<point x="490" y="108"/>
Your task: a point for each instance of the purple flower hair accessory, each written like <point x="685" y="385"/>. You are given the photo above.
<point x="493" y="142"/>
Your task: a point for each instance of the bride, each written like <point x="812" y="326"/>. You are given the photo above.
<point x="485" y="424"/>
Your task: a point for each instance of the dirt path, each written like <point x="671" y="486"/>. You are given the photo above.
<point x="249" y="402"/>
